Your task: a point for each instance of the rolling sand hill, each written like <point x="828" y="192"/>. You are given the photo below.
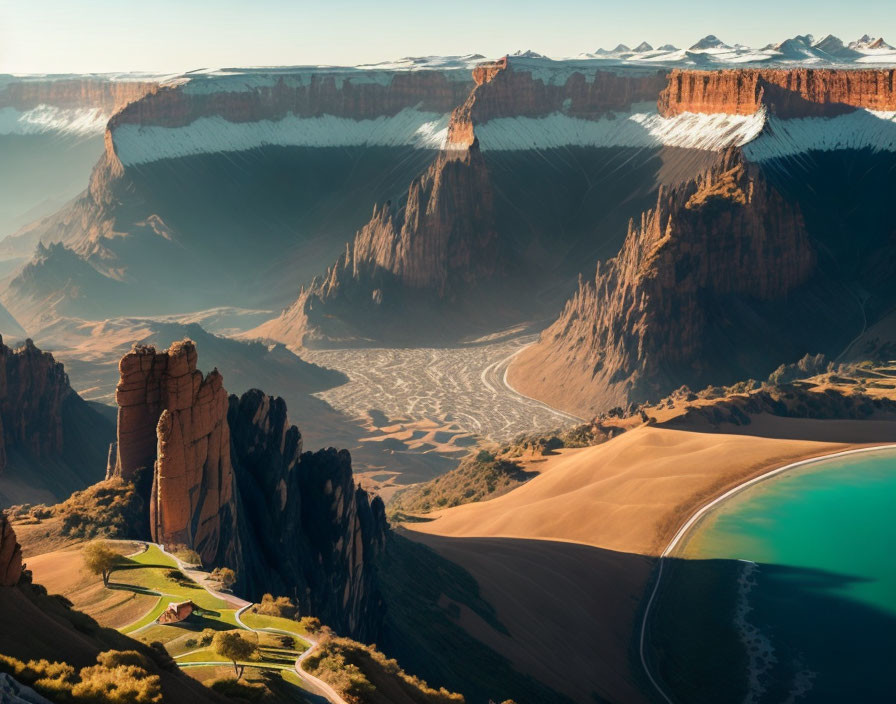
<point x="625" y="499"/>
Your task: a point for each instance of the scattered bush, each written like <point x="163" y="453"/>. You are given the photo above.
<point x="281" y="606"/>
<point x="352" y="669"/>
<point x="185" y="554"/>
<point x="311" y="624"/>
<point x="225" y="576"/>
<point x="119" y="677"/>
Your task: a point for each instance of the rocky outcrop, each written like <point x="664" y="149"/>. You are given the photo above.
<point x="230" y="480"/>
<point x="646" y="323"/>
<point x="514" y="88"/>
<point x="174" y="419"/>
<point x="10" y="555"/>
<point x="318" y="535"/>
<point x="51" y="441"/>
<point x="786" y="93"/>
<point x="33" y="387"/>
<point x="437" y="248"/>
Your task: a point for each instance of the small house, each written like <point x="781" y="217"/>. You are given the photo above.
<point x="175" y="613"/>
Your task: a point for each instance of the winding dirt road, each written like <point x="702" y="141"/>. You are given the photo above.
<point x="201" y="578"/>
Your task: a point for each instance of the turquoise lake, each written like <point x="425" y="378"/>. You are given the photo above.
<point x="821" y="599"/>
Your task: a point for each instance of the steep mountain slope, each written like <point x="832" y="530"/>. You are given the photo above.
<point x="713" y="285"/>
<point x="53" y="442"/>
<point x="228" y="478"/>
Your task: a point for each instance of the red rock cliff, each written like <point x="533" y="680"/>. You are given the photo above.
<point x="508" y="89"/>
<point x="786" y="93"/>
<point x="106" y="95"/>
<point x="173" y="419"/>
<point x="304" y="96"/>
<point x="640" y="327"/>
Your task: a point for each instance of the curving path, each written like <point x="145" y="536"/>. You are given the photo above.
<point x="692" y="521"/>
<point x="201" y="578"/>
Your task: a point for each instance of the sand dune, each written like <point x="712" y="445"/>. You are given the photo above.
<point x="630" y="494"/>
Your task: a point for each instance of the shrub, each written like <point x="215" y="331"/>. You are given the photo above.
<point x="225" y="576"/>
<point x="281" y="606"/>
<point x="185" y="554"/>
<point x="311" y="624"/>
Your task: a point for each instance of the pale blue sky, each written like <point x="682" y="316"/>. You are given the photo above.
<point x="38" y="36"/>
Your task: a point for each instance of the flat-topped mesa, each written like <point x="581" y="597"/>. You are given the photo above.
<point x="515" y="87"/>
<point x="174" y="420"/>
<point x="103" y="94"/>
<point x="358" y="95"/>
<point x="10" y="555"/>
<point x="786" y="93"/>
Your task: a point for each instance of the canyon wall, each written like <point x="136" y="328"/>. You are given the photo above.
<point x="648" y="320"/>
<point x="787" y="93"/>
<point x="107" y="95"/>
<point x="519" y="88"/>
<point x="359" y="95"/>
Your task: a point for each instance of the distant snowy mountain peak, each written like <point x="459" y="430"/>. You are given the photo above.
<point x="642" y="47"/>
<point x="527" y="54"/>
<point x="710" y="41"/>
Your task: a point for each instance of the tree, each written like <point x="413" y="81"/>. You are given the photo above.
<point x="100" y="559"/>
<point x="231" y="645"/>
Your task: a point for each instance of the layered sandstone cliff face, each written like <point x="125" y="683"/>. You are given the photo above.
<point x="272" y="97"/>
<point x="792" y="93"/>
<point x="173" y="419"/>
<point x="10" y="555"/>
<point x="650" y="320"/>
<point x="436" y="249"/>
<point x="515" y="88"/>
<point x="229" y="480"/>
<point x="82" y="92"/>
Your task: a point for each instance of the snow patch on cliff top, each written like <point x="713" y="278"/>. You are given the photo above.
<point x="45" y="119"/>
<point x="140" y="144"/>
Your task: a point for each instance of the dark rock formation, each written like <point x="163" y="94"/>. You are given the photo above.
<point x="317" y="534"/>
<point x="230" y="481"/>
<point x="651" y="319"/>
<point x="10" y="555"/>
<point x="49" y="435"/>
